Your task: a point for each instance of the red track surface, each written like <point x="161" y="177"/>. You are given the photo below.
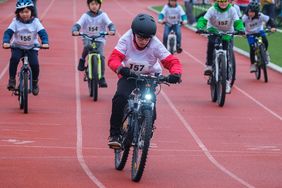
<point x="62" y="142"/>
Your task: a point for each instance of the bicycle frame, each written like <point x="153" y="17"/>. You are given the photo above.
<point x="25" y="68"/>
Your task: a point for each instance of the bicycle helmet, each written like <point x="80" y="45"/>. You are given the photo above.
<point x="254" y="7"/>
<point x="23" y="4"/>
<point x="144" y="25"/>
<point x="98" y="1"/>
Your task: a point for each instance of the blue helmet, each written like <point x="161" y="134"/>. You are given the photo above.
<point x="24" y="3"/>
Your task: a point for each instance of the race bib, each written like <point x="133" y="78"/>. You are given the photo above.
<point x="139" y="67"/>
<point x="25" y="38"/>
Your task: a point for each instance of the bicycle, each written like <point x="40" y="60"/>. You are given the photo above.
<point x="171" y="44"/>
<point x="137" y="125"/>
<point x="223" y="68"/>
<point x="25" y="79"/>
<point x="93" y="71"/>
<point x="261" y="59"/>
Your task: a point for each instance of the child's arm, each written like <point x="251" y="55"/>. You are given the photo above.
<point x="75" y="29"/>
<point x="44" y="38"/>
<point x="162" y="15"/>
<point x="112" y="29"/>
<point x="7" y="37"/>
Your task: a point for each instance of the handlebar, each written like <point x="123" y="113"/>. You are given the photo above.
<point x="205" y="32"/>
<point x="101" y="34"/>
<point x="35" y="46"/>
<point x="143" y="77"/>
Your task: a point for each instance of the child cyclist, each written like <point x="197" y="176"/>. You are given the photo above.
<point x="221" y="17"/>
<point x="92" y="23"/>
<point x="173" y="16"/>
<point x="254" y="21"/>
<point x="138" y="51"/>
<point x="22" y="34"/>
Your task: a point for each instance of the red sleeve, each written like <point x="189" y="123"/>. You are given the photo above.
<point x="172" y="64"/>
<point x="115" y="60"/>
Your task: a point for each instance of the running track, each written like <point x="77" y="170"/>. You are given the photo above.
<point x="62" y="142"/>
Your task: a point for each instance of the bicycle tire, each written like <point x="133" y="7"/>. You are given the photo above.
<point x="25" y="92"/>
<point x="233" y="68"/>
<point x="263" y="62"/>
<point x="95" y="79"/>
<point x="221" y="84"/>
<point x="89" y="83"/>
<point x="121" y="155"/>
<point x="171" y="44"/>
<point x="213" y="88"/>
<point x="144" y="137"/>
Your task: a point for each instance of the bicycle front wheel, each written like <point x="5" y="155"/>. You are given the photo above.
<point x="141" y="148"/>
<point x="95" y="79"/>
<point x="25" y="92"/>
<point x="221" y="84"/>
<point x="232" y="68"/>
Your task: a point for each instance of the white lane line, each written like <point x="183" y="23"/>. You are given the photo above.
<point x="79" y="134"/>
<point x="201" y="144"/>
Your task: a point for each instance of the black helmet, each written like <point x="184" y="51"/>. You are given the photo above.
<point x="254" y="7"/>
<point x="144" y="25"/>
<point x="98" y="1"/>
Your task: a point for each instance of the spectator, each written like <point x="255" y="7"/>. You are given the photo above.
<point x="189" y="11"/>
<point x="268" y="8"/>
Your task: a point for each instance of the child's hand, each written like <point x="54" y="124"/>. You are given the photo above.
<point x="161" y="21"/>
<point x="111" y="33"/>
<point x="273" y="29"/>
<point x="6" y="45"/>
<point x="46" y="46"/>
<point x="75" y="33"/>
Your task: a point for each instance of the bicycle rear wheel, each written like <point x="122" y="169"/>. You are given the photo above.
<point x="25" y="92"/>
<point x="221" y="84"/>
<point x="95" y="79"/>
<point x="121" y="155"/>
<point x="263" y="62"/>
<point x="141" y="148"/>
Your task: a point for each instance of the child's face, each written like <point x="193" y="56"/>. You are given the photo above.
<point x="94" y="6"/>
<point x="251" y="14"/>
<point x="25" y="14"/>
<point x="172" y="3"/>
<point x="141" y="42"/>
<point x="223" y="3"/>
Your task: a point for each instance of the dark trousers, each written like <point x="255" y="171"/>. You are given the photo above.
<point x="124" y="88"/>
<point x="17" y="54"/>
<point x="119" y="101"/>
<point x="189" y="12"/>
<point x="210" y="50"/>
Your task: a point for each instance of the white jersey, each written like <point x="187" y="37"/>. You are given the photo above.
<point x="93" y="25"/>
<point x="172" y="15"/>
<point x="222" y="21"/>
<point x="237" y="8"/>
<point x="145" y="61"/>
<point x="25" y="34"/>
<point x="254" y="25"/>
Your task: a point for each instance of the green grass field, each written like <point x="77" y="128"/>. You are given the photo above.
<point x="275" y="42"/>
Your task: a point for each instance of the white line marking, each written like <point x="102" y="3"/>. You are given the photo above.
<point x="201" y="144"/>
<point x="79" y="153"/>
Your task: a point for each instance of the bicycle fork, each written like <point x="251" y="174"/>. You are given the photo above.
<point x="99" y="63"/>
